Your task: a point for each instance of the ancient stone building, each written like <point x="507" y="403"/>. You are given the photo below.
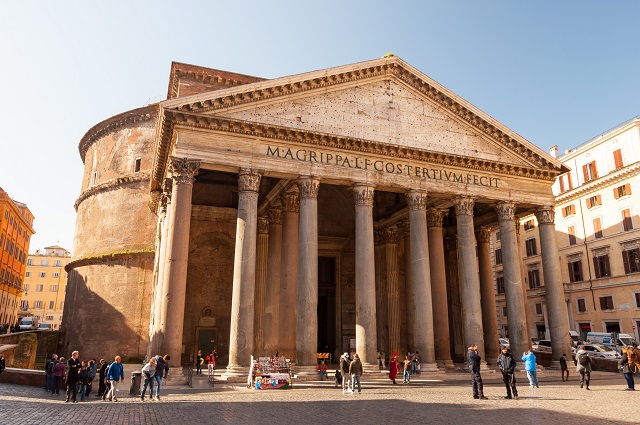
<point x="347" y="207"/>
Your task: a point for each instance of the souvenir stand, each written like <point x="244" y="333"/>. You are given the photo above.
<point x="270" y="373"/>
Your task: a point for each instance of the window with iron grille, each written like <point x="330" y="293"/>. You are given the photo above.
<point x="601" y="266"/>
<point x="575" y="270"/>
<point x="499" y="256"/>
<point x="582" y="305"/>
<point x="534" y="278"/>
<point x="538" y="308"/>
<point x="500" y="284"/>
<point x="631" y="260"/>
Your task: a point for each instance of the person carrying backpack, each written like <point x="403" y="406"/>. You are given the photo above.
<point x="48" y="369"/>
<point x="583" y="366"/>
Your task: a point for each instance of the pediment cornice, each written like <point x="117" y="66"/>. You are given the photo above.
<point x="176" y="119"/>
<point x="387" y="67"/>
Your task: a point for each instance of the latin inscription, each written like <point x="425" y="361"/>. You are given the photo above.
<point x="381" y="166"/>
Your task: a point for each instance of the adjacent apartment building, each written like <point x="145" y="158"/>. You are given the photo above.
<point x="16" y="229"/>
<point x="45" y="285"/>
<point x="598" y="236"/>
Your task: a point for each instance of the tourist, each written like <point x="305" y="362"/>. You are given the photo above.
<point x="48" y="369"/>
<point x="199" y="362"/>
<point x="415" y="363"/>
<point x="149" y="372"/>
<point x="628" y="367"/>
<point x="583" y="366"/>
<point x="344" y="367"/>
<point x="102" y="376"/>
<point x="474" y="367"/>
<point x="530" y="365"/>
<point x="507" y="365"/>
<point x="211" y="362"/>
<point x="394" y="368"/>
<point x="383" y="359"/>
<point x="563" y="367"/>
<point x="115" y="373"/>
<point x="58" y="375"/>
<point x="355" y="371"/>
<point x="162" y="370"/>
<point x="73" y="366"/>
<point x="406" y="375"/>
<point x="323" y="370"/>
<point x="83" y="379"/>
<point x="91" y="367"/>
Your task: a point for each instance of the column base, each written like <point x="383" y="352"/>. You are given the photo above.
<point x="305" y="372"/>
<point x="428" y="367"/>
<point x="177" y="377"/>
<point x="234" y="372"/>
<point x="555" y="365"/>
<point x="445" y="364"/>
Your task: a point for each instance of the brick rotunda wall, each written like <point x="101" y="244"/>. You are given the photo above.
<point x="109" y="289"/>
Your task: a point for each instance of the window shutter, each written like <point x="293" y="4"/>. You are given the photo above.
<point x="596" y="267"/>
<point x="605" y="266"/>
<point x="598" y="200"/>
<point x="616" y="194"/>
<point x="603" y="303"/>
<point x="569" y="181"/>
<point x="573" y="208"/>
<point x="595" y="170"/>
<point x="585" y="173"/>
<point x="530" y="279"/>
<point x="625" y="261"/>
<point x="627" y="189"/>
<point x="572" y="277"/>
<point x="564" y="212"/>
<point x="617" y="158"/>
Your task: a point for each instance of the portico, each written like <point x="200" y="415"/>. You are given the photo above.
<point x="332" y="164"/>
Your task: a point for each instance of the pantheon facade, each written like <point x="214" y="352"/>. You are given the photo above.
<point x="343" y="209"/>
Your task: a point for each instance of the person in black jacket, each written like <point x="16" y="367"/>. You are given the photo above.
<point x="507" y="365"/>
<point x="102" y="374"/>
<point x="474" y="367"/>
<point x="84" y="376"/>
<point x="73" y="366"/>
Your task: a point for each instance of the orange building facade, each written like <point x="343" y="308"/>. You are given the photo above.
<point x="16" y="229"/>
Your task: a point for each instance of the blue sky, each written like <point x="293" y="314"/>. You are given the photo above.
<point x="556" y="72"/>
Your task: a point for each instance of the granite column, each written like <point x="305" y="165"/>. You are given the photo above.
<point x="488" y="297"/>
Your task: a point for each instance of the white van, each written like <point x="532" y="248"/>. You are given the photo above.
<point x="606" y="338"/>
<point x="28" y="323"/>
<point x="575" y="337"/>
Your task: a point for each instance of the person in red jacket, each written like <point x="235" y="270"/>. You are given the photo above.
<point x="211" y="362"/>
<point x="394" y="366"/>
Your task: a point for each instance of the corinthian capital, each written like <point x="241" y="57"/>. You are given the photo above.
<point x="435" y="216"/>
<point x="464" y="205"/>
<point x="405" y="228"/>
<point x="363" y="194"/>
<point x="308" y="187"/>
<point x="506" y="211"/>
<point x="275" y="215"/>
<point x="183" y="170"/>
<point x="545" y="215"/>
<point x="417" y="199"/>
<point x="291" y="202"/>
<point x="249" y="181"/>
<point x="391" y="236"/>
<point x="263" y="225"/>
<point x="483" y="234"/>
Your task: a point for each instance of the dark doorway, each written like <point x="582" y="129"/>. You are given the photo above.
<point x="207" y="340"/>
<point x="326" y="304"/>
<point x="612" y="327"/>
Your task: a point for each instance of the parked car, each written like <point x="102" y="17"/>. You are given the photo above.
<point x="600" y="351"/>
<point x="45" y="327"/>
<point x="543" y="346"/>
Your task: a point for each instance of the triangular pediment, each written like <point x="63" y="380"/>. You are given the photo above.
<point x="383" y="101"/>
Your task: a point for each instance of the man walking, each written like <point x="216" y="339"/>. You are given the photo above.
<point x="563" y="367"/>
<point x="474" y="367"/>
<point x="355" y="370"/>
<point x="73" y="366"/>
<point x="115" y="373"/>
<point x="507" y="365"/>
<point x="583" y="366"/>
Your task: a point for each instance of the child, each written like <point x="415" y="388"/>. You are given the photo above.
<point x="338" y="379"/>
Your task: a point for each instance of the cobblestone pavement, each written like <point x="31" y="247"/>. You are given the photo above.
<point x="430" y="399"/>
